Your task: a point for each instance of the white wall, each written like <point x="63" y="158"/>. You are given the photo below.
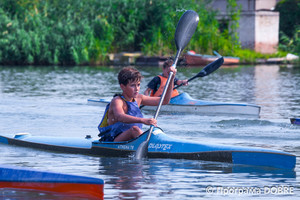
<point x="267" y="31"/>
<point x="259" y="26"/>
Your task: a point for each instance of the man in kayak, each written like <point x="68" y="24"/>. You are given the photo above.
<point x="157" y="84"/>
<point x="123" y="119"/>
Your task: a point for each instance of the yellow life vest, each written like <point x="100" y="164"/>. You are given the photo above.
<point x="104" y="121"/>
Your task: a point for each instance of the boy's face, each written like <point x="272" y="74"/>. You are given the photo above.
<point x="166" y="71"/>
<point x="132" y="89"/>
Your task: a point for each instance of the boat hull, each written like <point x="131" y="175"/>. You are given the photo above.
<point x="202" y="60"/>
<point x="185" y="104"/>
<point x="29" y="179"/>
<point x="160" y="146"/>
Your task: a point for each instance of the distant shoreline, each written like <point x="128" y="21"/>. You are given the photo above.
<point x="137" y="59"/>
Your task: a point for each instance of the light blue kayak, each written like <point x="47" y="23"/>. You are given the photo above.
<point x="160" y="146"/>
<point x="185" y="104"/>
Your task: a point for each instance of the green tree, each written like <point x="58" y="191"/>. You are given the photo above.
<point x="77" y="32"/>
<point x="289" y="16"/>
<point x="289" y="25"/>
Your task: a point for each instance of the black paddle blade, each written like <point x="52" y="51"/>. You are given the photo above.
<point x="186" y="28"/>
<point x="208" y="69"/>
<point x="211" y="67"/>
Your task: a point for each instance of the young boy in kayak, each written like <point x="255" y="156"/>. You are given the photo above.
<point x="157" y="84"/>
<point x="123" y="119"/>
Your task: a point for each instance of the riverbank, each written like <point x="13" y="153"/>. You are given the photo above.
<point x="138" y="59"/>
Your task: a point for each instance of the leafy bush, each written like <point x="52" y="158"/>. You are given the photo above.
<point x="289" y="16"/>
<point x="73" y="32"/>
<point x="289" y="25"/>
<point x="60" y="32"/>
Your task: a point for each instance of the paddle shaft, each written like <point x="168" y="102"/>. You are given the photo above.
<point x="160" y="103"/>
<point x="143" y="148"/>
<point x="184" y="31"/>
<point x="163" y="94"/>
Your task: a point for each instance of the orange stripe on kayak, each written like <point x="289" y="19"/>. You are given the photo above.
<point x="85" y="190"/>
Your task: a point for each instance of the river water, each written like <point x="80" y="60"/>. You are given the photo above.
<point x="53" y="101"/>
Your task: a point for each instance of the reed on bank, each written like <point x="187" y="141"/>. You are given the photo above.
<point x="76" y="32"/>
<point x="80" y="32"/>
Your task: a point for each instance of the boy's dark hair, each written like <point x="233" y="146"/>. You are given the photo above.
<point x="168" y="63"/>
<point x="129" y="74"/>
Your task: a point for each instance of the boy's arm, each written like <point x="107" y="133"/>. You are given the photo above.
<point x="121" y="116"/>
<point x="171" y="86"/>
<point x="117" y="106"/>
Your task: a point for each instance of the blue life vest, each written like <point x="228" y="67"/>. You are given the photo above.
<point x="110" y="132"/>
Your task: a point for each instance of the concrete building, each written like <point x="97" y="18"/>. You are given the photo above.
<point x="259" y="24"/>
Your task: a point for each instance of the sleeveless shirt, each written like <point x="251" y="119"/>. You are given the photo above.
<point x="110" y="132"/>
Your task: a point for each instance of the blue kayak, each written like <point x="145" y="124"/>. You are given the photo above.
<point x="185" y="104"/>
<point x="160" y="146"/>
<point x="29" y="179"/>
<point x="295" y="121"/>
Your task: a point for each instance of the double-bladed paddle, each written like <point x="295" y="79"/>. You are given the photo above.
<point x="183" y="34"/>
<point x="208" y="69"/>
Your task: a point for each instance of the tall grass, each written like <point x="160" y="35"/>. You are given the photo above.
<point x="74" y="32"/>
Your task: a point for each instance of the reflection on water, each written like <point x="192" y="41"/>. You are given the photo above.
<point x="133" y="179"/>
<point x="127" y="177"/>
<point x="19" y="194"/>
<point x="267" y="88"/>
<point x="53" y="101"/>
<point x="275" y="87"/>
